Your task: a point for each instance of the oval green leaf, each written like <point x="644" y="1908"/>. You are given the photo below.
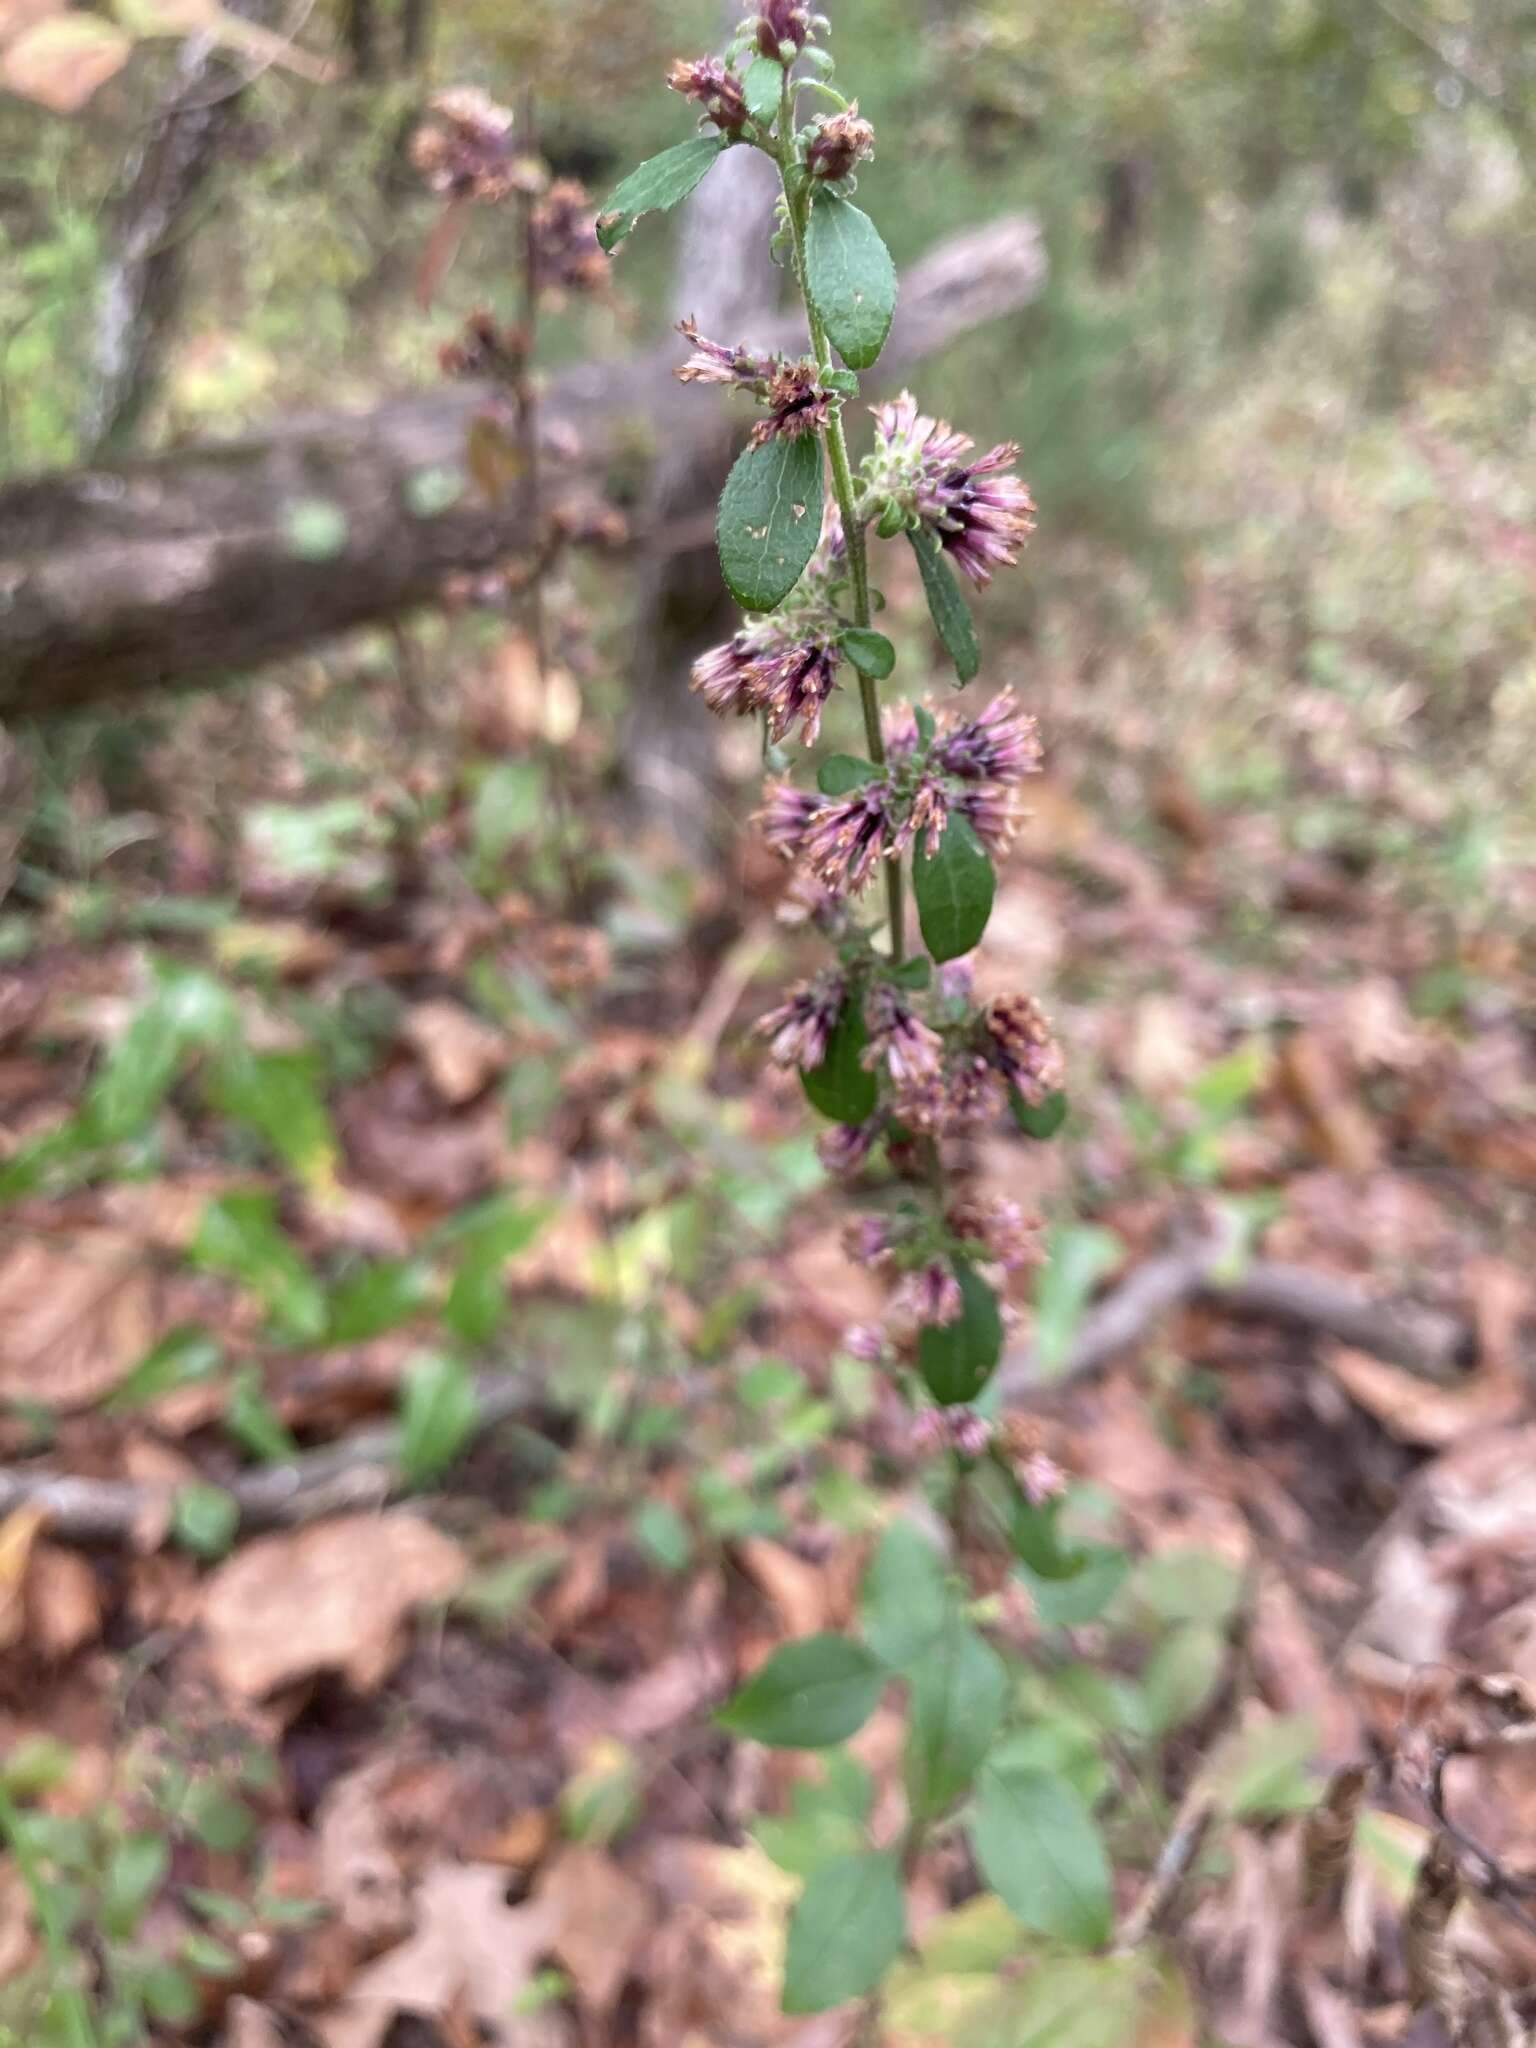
<point x="437" y="1414"/>
<point x="842" y="1088"/>
<point x="761" y="85"/>
<point x="1039" y="1119"/>
<point x="1039" y="1849"/>
<point x="851" y="279"/>
<point x="811" y="1693"/>
<point x="954" y="889"/>
<point x="660" y="182"/>
<point x="845" y="1931"/>
<point x="957" y="1359"/>
<point x="957" y="1694"/>
<point x="770" y="520"/>
<point x="947" y="608"/>
<point x="870" y="652"/>
<point x="904" y="1600"/>
<point x="840" y="773"/>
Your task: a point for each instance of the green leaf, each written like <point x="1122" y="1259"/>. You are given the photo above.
<point x="954" y="889"/>
<point x="375" y="1298"/>
<point x="947" y="608"/>
<point x="188" y="1010"/>
<point x="219" y="1819"/>
<point x="209" y="1957"/>
<point x="1038" y="1847"/>
<point x="957" y="1693"/>
<point x="204" y="1520"/>
<point x="842" y="1088"/>
<point x="275" y="1095"/>
<point x="509" y="805"/>
<point x="660" y="182"/>
<point x="914" y="973"/>
<point x="1066" y="1599"/>
<point x="184" y="1357"/>
<point x="769" y="520"/>
<point x="169" y="1994"/>
<point x="239" y="1235"/>
<point x="135" y="1872"/>
<point x="1186" y="1583"/>
<point x="1078" y="1255"/>
<point x="811" y="1693"/>
<point x="477" y="1301"/>
<point x="845" y="1931"/>
<point x="254" y="1423"/>
<point x="957" y="1359"/>
<point x="870" y="652"/>
<point x="1039" y="1119"/>
<point x="761" y="84"/>
<point x="437" y="1413"/>
<point x="905" y="1598"/>
<point x="1084" y="2002"/>
<point x="851" y="278"/>
<point x="1262" y="1770"/>
<point x="840" y="773"/>
<point x="662" y="1534"/>
<point x="1181" y="1675"/>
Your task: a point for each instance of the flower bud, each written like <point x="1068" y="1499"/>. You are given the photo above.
<point x="782" y="28"/>
<point x="841" y="141"/>
<point x="717" y="90"/>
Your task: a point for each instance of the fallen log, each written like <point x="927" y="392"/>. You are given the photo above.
<point x="202" y="562"/>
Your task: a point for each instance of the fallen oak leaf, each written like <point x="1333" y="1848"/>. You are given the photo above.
<point x="601" y="1918"/>
<point x="1417" y="1412"/>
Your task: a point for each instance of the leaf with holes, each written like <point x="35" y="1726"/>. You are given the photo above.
<point x="660" y="182"/>
<point x="770" y="520"/>
<point x="851" y="278"/>
<point x="845" y="1932"/>
<point x="947" y="608"/>
<point x="811" y="1693"/>
<point x="954" y="889"/>
<point x="957" y="1359"/>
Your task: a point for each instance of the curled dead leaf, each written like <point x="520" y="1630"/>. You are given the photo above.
<point x="332" y="1597"/>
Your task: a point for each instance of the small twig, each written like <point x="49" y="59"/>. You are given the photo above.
<point x="1175" y="1860"/>
<point x="362" y="1470"/>
<point x="1265" y="1289"/>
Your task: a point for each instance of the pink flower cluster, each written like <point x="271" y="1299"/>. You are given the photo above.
<point x="792" y="391"/>
<point x="979" y="513"/>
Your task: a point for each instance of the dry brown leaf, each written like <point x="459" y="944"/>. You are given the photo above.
<point x="1416" y="1411"/>
<point x="249" y="2024"/>
<point x="798" y="1590"/>
<point x="600" y="1916"/>
<point x="74" y="1318"/>
<point x="357" y="1872"/>
<point x="60" y="63"/>
<point x="329" y="1598"/>
<point x="18" y="1539"/>
<point x="469" y="1949"/>
<point x="63" y="1603"/>
<point x="715" y="1966"/>
<point x="1337" y="1121"/>
<point x="461" y="1052"/>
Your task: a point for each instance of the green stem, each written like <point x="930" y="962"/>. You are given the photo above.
<point x="77" y="2016"/>
<point x="797" y="204"/>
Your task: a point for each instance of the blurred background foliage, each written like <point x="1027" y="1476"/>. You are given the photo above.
<point x="1274" y="404"/>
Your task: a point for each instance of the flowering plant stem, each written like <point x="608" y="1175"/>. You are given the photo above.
<point x="798" y="206"/>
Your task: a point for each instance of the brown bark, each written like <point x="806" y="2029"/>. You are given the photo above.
<point x="193" y="565"/>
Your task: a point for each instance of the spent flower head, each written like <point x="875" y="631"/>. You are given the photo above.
<point x="841" y="142"/>
<point x="464" y="147"/>
<point x="975" y="509"/>
<point x="715" y="88"/>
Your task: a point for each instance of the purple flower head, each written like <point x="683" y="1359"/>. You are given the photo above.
<point x="954" y="979"/>
<point x="1000" y="744"/>
<point x="927" y="817"/>
<point x="993" y="812"/>
<point x="713" y="363"/>
<point x="566" y="252"/>
<point x="844" y="1148"/>
<point x="929" y="1296"/>
<point x="974" y="1094"/>
<point x="902" y="1041"/>
<point x="901" y="734"/>
<point x="1041" y="1479"/>
<point x="847" y="835"/>
<point x="865" y="1341"/>
<point x="929" y="1432"/>
<point x="998" y="1228"/>
<point x="841" y="141"/>
<point x="868" y="1240"/>
<point x="1018" y="1041"/>
<point x="783" y="25"/>
<point x="981" y="515"/>
<point x="798" y="1031"/>
<point x="717" y="90"/>
<point x="786" y="813"/>
<point x="727" y="677"/>
<point x="969" y="1432"/>
<point x="464" y="148"/>
<point x="796" y="684"/>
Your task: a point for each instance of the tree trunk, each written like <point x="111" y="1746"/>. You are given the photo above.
<point x="189" y="566"/>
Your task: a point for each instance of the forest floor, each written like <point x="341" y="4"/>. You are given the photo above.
<point x="385" y="1105"/>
